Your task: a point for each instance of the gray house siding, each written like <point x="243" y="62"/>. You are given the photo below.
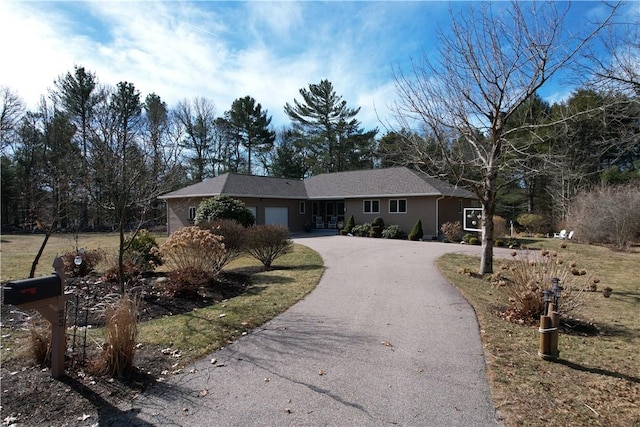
<point x="415" y="197"/>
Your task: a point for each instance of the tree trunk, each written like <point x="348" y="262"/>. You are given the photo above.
<point x="486" y="258"/>
<point x="36" y="260"/>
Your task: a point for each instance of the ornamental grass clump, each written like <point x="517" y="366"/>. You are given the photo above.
<point x="40" y="343"/>
<point x="526" y="276"/>
<point x="120" y="335"/>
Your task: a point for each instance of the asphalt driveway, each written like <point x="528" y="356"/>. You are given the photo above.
<point x="383" y="340"/>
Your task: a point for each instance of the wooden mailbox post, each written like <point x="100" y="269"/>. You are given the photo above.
<point x="46" y="295"/>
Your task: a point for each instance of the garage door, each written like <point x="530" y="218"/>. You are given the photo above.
<point x="276" y="216"/>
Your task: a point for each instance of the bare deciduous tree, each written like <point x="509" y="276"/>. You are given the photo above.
<point x="11" y="111"/>
<point x="487" y="66"/>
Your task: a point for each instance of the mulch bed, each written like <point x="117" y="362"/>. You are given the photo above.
<point x="30" y="397"/>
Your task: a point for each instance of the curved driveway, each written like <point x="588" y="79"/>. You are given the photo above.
<point x="383" y="340"/>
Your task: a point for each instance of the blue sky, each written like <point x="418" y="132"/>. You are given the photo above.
<point x="226" y="50"/>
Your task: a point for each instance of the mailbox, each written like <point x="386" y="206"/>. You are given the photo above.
<point x="29" y="290"/>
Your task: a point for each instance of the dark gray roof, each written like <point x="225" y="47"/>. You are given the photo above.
<point x="391" y="182"/>
<point x="236" y="185"/>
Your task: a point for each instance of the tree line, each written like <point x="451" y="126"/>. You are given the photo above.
<point x="92" y="155"/>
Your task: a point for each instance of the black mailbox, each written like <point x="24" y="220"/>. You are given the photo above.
<point x="29" y="290"/>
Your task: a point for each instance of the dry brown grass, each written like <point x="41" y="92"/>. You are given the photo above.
<point x="40" y="343"/>
<point x="596" y="380"/>
<point x="120" y="336"/>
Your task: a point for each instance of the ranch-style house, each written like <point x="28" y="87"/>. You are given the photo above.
<point x="399" y="195"/>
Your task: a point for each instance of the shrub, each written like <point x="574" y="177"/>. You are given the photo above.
<point x="498" y="243"/>
<point x="416" y="232"/>
<point x="192" y="248"/>
<point x="452" y="231"/>
<point x="234" y="237"/>
<point x="499" y="226"/>
<point x="142" y="250"/>
<point x="361" y="230"/>
<point x="526" y="276"/>
<point x="376" y="227"/>
<point x="120" y="334"/>
<point x="224" y="207"/>
<point x="89" y="260"/>
<point x="186" y="283"/>
<point x="474" y="241"/>
<point x="607" y="215"/>
<point x="468" y="236"/>
<point x="348" y="226"/>
<point x="533" y="223"/>
<point x="131" y="270"/>
<point x="393" y="232"/>
<point x="267" y="242"/>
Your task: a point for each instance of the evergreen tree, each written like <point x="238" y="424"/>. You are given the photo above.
<point x="333" y="138"/>
<point x="249" y="126"/>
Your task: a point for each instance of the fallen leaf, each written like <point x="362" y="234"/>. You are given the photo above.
<point x="321" y="372"/>
<point x="84" y="417"/>
<point x="214" y="360"/>
<point x="203" y="393"/>
<point x="222" y="315"/>
<point x="287" y="410"/>
<point x="386" y="343"/>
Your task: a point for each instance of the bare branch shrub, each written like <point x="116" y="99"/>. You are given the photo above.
<point x="267" y="242"/>
<point x="234" y="235"/>
<point x="526" y="276"/>
<point x="499" y="227"/>
<point x="452" y="231"/>
<point x="120" y="335"/>
<point x="607" y="215"/>
<point x="89" y="259"/>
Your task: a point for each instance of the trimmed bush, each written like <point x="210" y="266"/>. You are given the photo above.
<point x="468" y="236"/>
<point x="348" y="226"/>
<point x="142" y="250"/>
<point x="268" y="242"/>
<point x="361" y="230"/>
<point x="224" y="207"/>
<point x="452" y="231"/>
<point x="416" y="232"/>
<point x="474" y="241"/>
<point x="192" y="248"/>
<point x="393" y="232"/>
<point x="533" y="223"/>
<point x="376" y="227"/>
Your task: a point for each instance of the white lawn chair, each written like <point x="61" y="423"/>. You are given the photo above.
<point x="333" y="222"/>
<point x="570" y="235"/>
<point x="319" y="222"/>
<point x="561" y="235"/>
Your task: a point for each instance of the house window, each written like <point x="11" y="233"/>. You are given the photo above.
<point x="398" y="206"/>
<point x="192" y="213"/>
<point x="372" y="206"/>
<point x="303" y="208"/>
